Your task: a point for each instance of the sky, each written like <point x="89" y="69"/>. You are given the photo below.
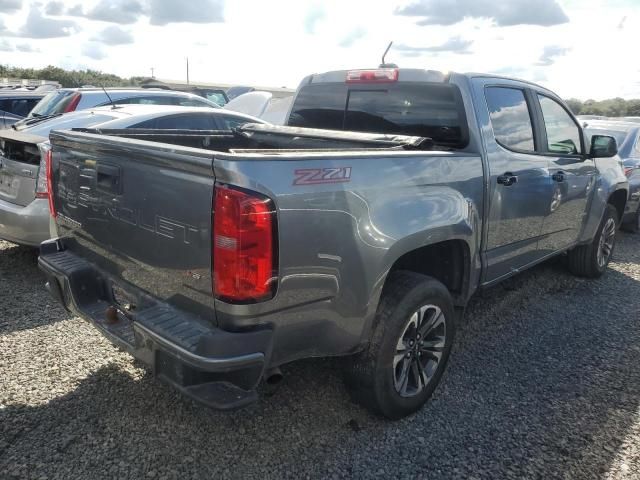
<point x="578" y="48"/>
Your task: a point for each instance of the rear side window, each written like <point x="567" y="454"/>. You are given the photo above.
<point x="18" y="106"/>
<point x="510" y="118"/>
<point x="229" y="122"/>
<point x="157" y="100"/>
<point x="191" y="102"/>
<point x="432" y="110"/>
<point x="563" y="135"/>
<point x="184" y="121"/>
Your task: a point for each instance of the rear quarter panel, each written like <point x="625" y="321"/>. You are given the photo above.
<point x="338" y="238"/>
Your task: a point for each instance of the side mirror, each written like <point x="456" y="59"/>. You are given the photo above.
<point x="603" y="146"/>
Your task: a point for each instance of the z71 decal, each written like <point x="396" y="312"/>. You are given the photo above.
<point x="314" y="176"/>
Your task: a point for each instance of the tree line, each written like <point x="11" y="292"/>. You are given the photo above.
<point x="613" y="107"/>
<point x="69" y="78"/>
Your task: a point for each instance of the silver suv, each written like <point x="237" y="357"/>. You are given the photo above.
<point x="67" y="100"/>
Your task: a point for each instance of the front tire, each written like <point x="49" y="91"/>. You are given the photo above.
<point x="409" y="348"/>
<point x="591" y="260"/>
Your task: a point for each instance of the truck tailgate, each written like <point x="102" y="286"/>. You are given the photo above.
<point x="140" y="212"/>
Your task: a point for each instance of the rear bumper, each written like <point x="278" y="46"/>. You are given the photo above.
<point x="217" y="368"/>
<point x="25" y="225"/>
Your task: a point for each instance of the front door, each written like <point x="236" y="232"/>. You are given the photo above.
<point x="520" y="188"/>
<point x="573" y="176"/>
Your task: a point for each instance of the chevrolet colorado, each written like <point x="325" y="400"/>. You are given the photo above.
<point x="217" y="258"/>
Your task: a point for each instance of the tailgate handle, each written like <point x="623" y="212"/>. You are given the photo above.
<point x="108" y="178"/>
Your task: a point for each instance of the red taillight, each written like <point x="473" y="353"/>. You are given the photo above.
<point x="244" y="266"/>
<point x="381" y="75"/>
<point x="49" y="164"/>
<point x="628" y="171"/>
<point x="73" y="103"/>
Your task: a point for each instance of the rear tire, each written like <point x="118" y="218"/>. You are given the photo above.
<point x="591" y="260"/>
<point x="409" y="348"/>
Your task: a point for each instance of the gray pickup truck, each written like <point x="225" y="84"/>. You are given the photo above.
<point x="217" y="258"/>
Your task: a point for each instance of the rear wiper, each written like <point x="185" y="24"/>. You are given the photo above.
<point x="27" y="122"/>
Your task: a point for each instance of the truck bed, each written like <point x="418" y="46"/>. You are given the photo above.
<point x="139" y="214"/>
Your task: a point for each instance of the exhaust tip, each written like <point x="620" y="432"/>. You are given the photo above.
<point x="273" y="376"/>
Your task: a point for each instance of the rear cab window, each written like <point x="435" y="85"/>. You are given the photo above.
<point x="424" y="109"/>
<point x="510" y="118"/>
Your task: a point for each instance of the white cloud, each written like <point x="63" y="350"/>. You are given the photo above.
<point x="26" y="48"/>
<point x="504" y="13"/>
<point x="114" y="11"/>
<point x="94" y="50"/>
<point x="114" y="35"/>
<point x="550" y="53"/>
<point x="5" y="46"/>
<point x="9" y="6"/>
<point x="352" y="37"/>
<point x="453" y="45"/>
<point x="54" y="8"/>
<point x="163" y="12"/>
<point x="314" y="16"/>
<point x="39" y="26"/>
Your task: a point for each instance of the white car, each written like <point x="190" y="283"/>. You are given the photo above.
<point x="24" y="210"/>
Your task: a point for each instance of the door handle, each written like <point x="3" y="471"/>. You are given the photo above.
<point x="108" y="178"/>
<point x="558" y="177"/>
<point x="507" y="179"/>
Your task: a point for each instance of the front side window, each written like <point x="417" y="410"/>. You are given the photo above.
<point x="510" y="118"/>
<point x="563" y="135"/>
<point x="191" y="102"/>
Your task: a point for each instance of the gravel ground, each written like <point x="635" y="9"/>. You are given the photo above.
<point x="543" y="382"/>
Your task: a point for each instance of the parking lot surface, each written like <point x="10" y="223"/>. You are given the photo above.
<point x="543" y="382"/>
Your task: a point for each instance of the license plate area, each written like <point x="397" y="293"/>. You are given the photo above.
<point x="9" y="185"/>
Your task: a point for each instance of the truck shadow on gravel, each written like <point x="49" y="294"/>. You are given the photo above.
<point x="543" y="382"/>
<point x="24" y="301"/>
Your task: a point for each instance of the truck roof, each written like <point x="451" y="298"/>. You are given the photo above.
<point x="411" y="75"/>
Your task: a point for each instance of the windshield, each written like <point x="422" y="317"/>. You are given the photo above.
<point x="432" y="110"/>
<point x="54" y="102"/>
<point x="64" y="122"/>
<point x="216" y="97"/>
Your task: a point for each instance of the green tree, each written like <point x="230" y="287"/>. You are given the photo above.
<point x="575" y="105"/>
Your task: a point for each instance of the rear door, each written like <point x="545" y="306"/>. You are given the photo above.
<point x="140" y="211"/>
<point x="519" y="179"/>
<point x="573" y="175"/>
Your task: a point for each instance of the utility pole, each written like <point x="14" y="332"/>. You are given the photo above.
<point x="152" y="73"/>
<point x="187" y="70"/>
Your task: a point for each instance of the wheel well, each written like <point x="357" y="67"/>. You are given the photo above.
<point x="447" y="262"/>
<point x="618" y="199"/>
